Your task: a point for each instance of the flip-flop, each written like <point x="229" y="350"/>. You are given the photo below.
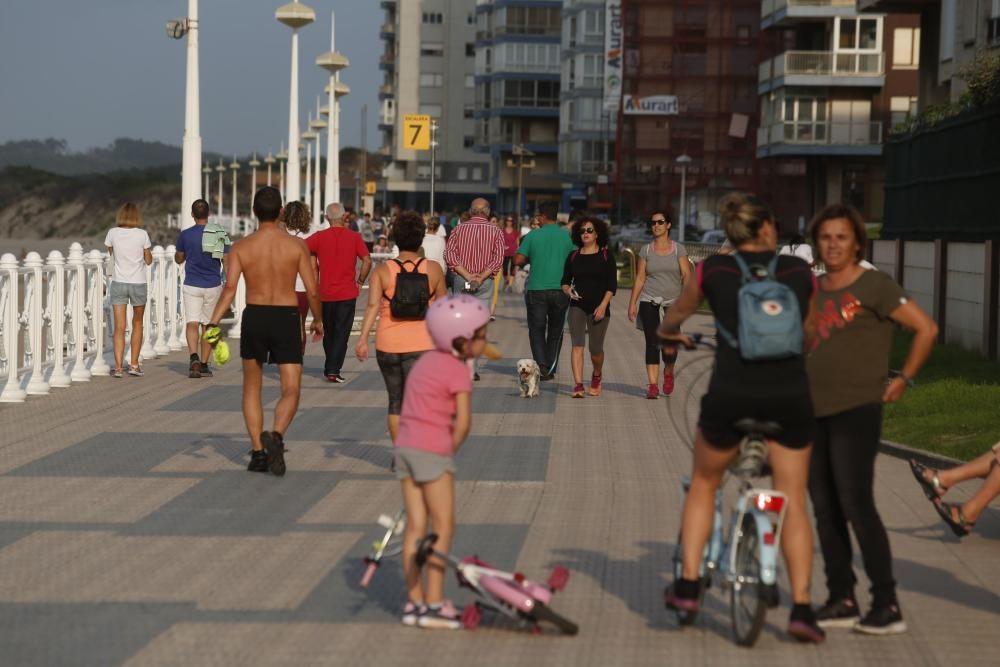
<point x="961" y="528"/>
<point x="933" y="488"/>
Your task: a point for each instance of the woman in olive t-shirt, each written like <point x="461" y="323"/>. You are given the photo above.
<point x="849" y="381"/>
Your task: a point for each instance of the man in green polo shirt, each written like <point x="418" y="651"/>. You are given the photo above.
<point x="546" y="249"/>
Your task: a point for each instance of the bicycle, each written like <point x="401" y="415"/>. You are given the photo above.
<point x="745" y="559"/>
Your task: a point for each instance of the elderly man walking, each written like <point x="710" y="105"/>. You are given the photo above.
<point x="337" y="251"/>
<point x="475" y="254"/>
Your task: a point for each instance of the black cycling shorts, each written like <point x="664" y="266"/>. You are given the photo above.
<point x="271" y="334"/>
<point x="720" y="410"/>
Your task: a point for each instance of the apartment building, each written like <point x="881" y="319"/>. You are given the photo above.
<point x="689" y="92"/>
<point x="587" y="127"/>
<point x="832" y="82"/>
<point x="428" y="67"/>
<point x="517" y="71"/>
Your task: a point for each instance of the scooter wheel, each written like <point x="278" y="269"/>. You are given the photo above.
<point x="471" y="617"/>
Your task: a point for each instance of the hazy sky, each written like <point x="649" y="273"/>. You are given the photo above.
<point x="89" y="71"/>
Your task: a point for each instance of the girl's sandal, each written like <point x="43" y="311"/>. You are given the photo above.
<point x="116" y="372"/>
<point x="961" y="528"/>
<point x="932" y="487"/>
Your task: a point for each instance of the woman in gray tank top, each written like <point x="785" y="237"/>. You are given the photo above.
<point x="662" y="272"/>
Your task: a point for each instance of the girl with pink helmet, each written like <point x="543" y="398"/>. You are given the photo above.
<point x="435" y="420"/>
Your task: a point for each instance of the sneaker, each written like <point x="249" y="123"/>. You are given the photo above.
<point x="194" y="370"/>
<point x="652" y="392"/>
<point x="335" y="378"/>
<point x="683" y="595"/>
<point x="668" y="383"/>
<point x="578" y="390"/>
<point x="882" y="621"/>
<point x="838" y="614"/>
<point x="595" y="385"/>
<point x="206" y="371"/>
<point x="258" y="461"/>
<point x="802" y="625"/>
<point x="441" y="616"/>
<point x="412" y="613"/>
<point x="274" y="446"/>
<point x="116" y="373"/>
<point x="475" y="377"/>
<point x="135" y="371"/>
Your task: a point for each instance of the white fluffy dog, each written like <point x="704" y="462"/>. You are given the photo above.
<point x="520" y="279"/>
<point x="528" y="377"/>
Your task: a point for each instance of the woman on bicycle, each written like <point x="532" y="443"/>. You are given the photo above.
<point x="849" y="375"/>
<point x="661" y="273"/>
<point x="775" y="391"/>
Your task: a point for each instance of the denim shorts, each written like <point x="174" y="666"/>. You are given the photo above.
<point x="124" y="294"/>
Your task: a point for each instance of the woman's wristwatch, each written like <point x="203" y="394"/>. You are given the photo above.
<point x="905" y="378"/>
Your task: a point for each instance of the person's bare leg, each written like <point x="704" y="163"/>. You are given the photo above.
<point x="699" y="505"/>
<point x="288" y="404"/>
<point x="653" y="373"/>
<point x="791" y="472"/>
<point x="393" y="422"/>
<point x="253" y="410"/>
<point x="977" y="468"/>
<point x="191" y="333"/>
<point x="989" y="490"/>
<point x="136" y="346"/>
<point x="413" y="532"/>
<point x="439" y="496"/>
<point x="576" y="361"/>
<point x="118" y="337"/>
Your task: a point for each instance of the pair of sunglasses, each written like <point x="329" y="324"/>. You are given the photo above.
<point x="587" y="230"/>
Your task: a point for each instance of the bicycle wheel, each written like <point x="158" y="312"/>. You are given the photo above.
<point x="544" y="613"/>
<point x="748" y="605"/>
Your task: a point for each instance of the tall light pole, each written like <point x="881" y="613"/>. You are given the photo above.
<point x="235" y="166"/>
<point x="332" y="62"/>
<point x="221" y="171"/>
<point x="683" y="161"/>
<point x="191" y="147"/>
<point x="254" y="163"/>
<point x="434" y="145"/>
<point x="307" y="137"/>
<point x="520" y="152"/>
<point x="269" y="161"/>
<point x="282" y="159"/>
<point x="294" y="15"/>
<point x="317" y="125"/>
<point x="208" y="172"/>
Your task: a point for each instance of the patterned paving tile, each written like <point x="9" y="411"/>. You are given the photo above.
<point x="221" y="398"/>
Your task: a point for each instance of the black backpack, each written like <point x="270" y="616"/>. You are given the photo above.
<point x="413" y="293"/>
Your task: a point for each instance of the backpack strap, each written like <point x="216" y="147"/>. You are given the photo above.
<point x="744" y="268"/>
<point x="772" y="267"/>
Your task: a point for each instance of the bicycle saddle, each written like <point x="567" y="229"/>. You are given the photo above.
<point x="749" y="426"/>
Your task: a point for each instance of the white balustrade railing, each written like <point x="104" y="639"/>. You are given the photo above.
<point x="56" y="319"/>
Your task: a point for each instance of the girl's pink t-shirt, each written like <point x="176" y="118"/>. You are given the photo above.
<point x="429" y="402"/>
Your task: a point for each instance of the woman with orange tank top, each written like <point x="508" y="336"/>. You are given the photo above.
<point x="398" y="342"/>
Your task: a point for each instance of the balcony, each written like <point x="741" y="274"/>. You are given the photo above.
<point x="387" y="118"/>
<point x="858" y="138"/>
<point x="897" y="6"/>
<point x="777" y="12"/>
<point x="387" y="62"/>
<point x="821" y="69"/>
<point x="388" y="30"/>
<point x="386" y="90"/>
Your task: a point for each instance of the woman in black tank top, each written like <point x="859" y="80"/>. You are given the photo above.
<point x="775" y="391"/>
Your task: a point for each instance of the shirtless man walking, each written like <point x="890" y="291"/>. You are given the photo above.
<point x="269" y="260"/>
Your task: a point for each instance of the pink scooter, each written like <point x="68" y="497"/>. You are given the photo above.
<point x="507" y="593"/>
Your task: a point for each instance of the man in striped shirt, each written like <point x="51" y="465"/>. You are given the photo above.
<point x="475" y="254"/>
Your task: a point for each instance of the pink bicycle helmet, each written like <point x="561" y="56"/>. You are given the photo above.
<point x="456" y="315"/>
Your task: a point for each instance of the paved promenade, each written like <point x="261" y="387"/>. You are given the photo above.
<point x="131" y="533"/>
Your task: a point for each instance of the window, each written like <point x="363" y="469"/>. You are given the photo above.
<point x="469" y="111"/>
<point x="593" y="70"/>
<point x="859" y="34"/>
<point x="593" y="26"/>
<point x="432" y="18"/>
<point x="429" y="80"/>
<point x="743" y="35"/>
<point x="468" y="141"/>
<point x="906" y="48"/>
<point x="423" y="171"/>
<point x="470" y="50"/>
<point x="432" y="110"/>
<point x="470" y="80"/>
<point x="477" y="173"/>
<point x="947" y="46"/>
<point x="462" y="174"/>
<point x="431" y="49"/>
<point x="902" y="108"/>
<point x="993" y="24"/>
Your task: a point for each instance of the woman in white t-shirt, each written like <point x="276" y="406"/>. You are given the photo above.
<point x="129" y="246"/>
<point x="434" y="245"/>
<point x="799" y="248"/>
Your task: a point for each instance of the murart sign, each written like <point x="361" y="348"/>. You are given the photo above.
<point x="613" y="66"/>
<point x="650" y="105"/>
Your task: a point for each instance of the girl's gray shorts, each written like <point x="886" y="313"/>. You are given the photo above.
<point x="421" y="466"/>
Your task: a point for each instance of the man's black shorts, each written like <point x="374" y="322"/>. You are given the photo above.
<point x="271" y="334"/>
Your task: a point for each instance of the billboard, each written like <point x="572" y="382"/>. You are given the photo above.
<point x="650" y="105"/>
<point x="613" y="55"/>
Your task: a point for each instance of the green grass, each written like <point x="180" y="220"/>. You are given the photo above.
<point x="952" y="410"/>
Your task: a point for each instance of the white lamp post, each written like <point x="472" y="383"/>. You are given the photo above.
<point x="208" y="173"/>
<point x="683" y="161"/>
<point x="254" y="163"/>
<point x="307" y="137"/>
<point x="269" y="161"/>
<point x="282" y="159"/>
<point x="221" y="171"/>
<point x="235" y="166"/>
<point x="333" y="62"/>
<point x="294" y="15"/>
<point x="191" y="148"/>
<point x="317" y="125"/>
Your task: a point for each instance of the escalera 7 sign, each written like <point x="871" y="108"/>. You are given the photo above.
<point x="415" y="133"/>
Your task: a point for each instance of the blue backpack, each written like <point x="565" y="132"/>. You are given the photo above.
<point x="767" y="314"/>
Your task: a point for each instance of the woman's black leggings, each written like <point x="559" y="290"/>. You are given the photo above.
<point x="841" y="484"/>
<point x="649" y="317"/>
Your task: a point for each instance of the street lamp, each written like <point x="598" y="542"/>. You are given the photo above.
<point x="191" y="147"/>
<point x="519" y="151"/>
<point x="333" y="63"/>
<point x="235" y="166"/>
<point x="434" y="145"/>
<point x="307" y="137"/>
<point x="294" y="15"/>
<point x="282" y="159"/>
<point x="269" y="161"/>
<point x="254" y="163"/>
<point x="317" y="125"/>
<point x="684" y="160"/>
<point x="208" y="172"/>
<point x="220" y="170"/>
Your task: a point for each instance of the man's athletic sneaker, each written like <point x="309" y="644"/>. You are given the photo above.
<point x="274" y="446"/>
<point x="441" y="616"/>
<point x="258" y="462"/>
<point x="206" y="371"/>
<point x="335" y="378"/>
<point x="412" y="613"/>
<point x="882" y="621"/>
<point x="838" y="614"/>
<point x="194" y="370"/>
